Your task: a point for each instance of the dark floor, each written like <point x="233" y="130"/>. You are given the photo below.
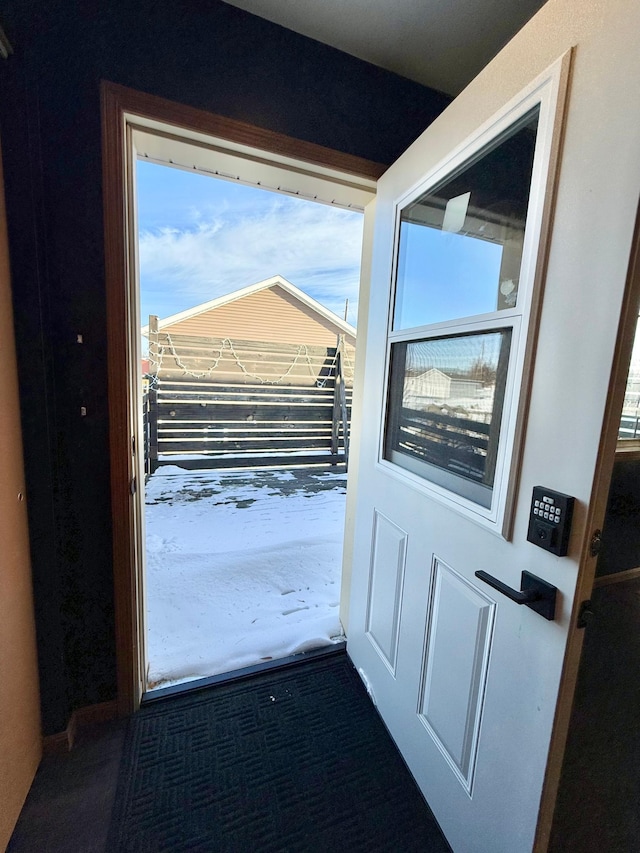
<point x="68" y="809"/>
<point x="70" y="805"/>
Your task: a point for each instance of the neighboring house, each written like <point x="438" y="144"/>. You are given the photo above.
<point x="273" y="310"/>
<point x="437" y="385"/>
<point x="431" y="383"/>
<point x="269" y="332"/>
<point x="465" y="388"/>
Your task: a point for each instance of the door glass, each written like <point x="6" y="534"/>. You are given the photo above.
<point x="445" y="406"/>
<point x="460" y="244"/>
<point x="630" y="420"/>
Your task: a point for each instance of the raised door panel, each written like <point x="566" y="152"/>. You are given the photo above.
<point x="386" y="578"/>
<point x="458" y="644"/>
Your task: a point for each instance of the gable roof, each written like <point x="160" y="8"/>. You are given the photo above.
<point x="430" y="371"/>
<point x="276" y="280"/>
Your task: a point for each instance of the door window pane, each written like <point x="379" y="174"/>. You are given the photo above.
<point x="630" y="420"/>
<point x="445" y="407"/>
<point x="460" y="244"/>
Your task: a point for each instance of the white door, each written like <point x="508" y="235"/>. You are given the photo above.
<point x="465" y="678"/>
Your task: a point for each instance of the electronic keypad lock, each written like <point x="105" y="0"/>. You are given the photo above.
<point x="550" y="520"/>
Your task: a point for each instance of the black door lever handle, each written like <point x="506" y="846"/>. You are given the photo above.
<point x="525" y="596"/>
<point x="534" y="592"/>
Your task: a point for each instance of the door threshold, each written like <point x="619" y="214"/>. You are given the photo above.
<point x="240" y="674"/>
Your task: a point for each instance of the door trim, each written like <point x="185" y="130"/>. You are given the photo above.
<point x="595" y="518"/>
<point x="118" y="105"/>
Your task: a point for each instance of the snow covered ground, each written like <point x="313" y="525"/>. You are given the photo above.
<point x="241" y="568"/>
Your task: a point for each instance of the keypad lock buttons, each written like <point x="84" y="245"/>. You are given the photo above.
<point x="550" y="520"/>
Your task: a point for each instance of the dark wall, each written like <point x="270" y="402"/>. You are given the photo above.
<point x="621" y="531"/>
<point x="600" y="783"/>
<point x="205" y="54"/>
<point x="597" y="805"/>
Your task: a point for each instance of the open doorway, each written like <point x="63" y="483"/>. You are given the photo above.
<point x="246" y="399"/>
<point x="138" y="125"/>
<point x="604" y="740"/>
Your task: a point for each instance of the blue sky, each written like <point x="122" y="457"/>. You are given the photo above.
<point x="202" y="237"/>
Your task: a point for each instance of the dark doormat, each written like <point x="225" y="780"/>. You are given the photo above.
<point x="296" y="761"/>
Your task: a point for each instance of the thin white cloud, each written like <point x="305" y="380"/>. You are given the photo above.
<point x="315" y="246"/>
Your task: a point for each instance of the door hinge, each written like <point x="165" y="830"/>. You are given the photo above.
<point x="585" y="614"/>
<point x="596" y="543"/>
<point x="133" y="486"/>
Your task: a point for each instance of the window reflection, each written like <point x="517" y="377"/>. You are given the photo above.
<point x="460" y="244"/>
<point x="445" y="407"/>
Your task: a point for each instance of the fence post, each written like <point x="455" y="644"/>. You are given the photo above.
<point x="343" y="399"/>
<point x="154" y="368"/>
<point x="340" y="415"/>
<point x="335" y="414"/>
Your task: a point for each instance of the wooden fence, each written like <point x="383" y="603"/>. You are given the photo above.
<point x="222" y="403"/>
<point x="629" y="425"/>
<point x="450" y="442"/>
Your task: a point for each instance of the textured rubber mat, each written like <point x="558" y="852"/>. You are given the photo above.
<point x="295" y="760"/>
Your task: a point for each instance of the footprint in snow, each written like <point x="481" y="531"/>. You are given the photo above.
<point x="160" y="543"/>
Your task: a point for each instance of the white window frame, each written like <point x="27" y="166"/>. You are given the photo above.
<point x="544" y="92"/>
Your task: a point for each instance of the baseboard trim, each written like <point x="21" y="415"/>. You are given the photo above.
<point x="63" y="741"/>
<point x="616" y="577"/>
<point x="99" y="713"/>
<point x="55" y="744"/>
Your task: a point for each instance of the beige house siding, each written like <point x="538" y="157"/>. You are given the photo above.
<point x="270" y="315"/>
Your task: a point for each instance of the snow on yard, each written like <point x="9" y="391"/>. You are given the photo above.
<point x="241" y="568"/>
